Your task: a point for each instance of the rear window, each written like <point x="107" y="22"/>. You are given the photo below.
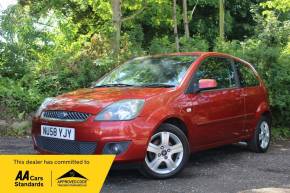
<point x="246" y="75"/>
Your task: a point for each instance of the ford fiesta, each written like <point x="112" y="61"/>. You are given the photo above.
<point x="157" y="110"/>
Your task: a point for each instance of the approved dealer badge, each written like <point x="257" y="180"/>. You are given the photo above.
<point x="53" y="173"/>
<point x="72" y="178"/>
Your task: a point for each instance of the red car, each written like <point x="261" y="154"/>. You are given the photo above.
<point x="157" y="110"/>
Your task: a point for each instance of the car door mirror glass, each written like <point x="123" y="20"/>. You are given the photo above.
<point x="204" y="84"/>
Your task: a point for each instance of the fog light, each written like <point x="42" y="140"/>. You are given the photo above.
<point x="116" y="147"/>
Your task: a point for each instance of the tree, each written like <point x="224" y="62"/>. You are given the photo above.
<point x="175" y="26"/>
<point x="185" y="18"/>
<point x="222" y="18"/>
<point x="117" y="23"/>
<point x="193" y="10"/>
<point x="117" y="20"/>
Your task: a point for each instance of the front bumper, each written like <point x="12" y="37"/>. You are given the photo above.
<point x="92" y="136"/>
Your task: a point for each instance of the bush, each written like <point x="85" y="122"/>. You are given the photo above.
<point x="193" y="44"/>
<point x="164" y="45"/>
<point x="17" y="98"/>
<point x="161" y="45"/>
<point x="75" y="74"/>
<point x="280" y="133"/>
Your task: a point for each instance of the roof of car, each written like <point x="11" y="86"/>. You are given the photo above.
<point x="200" y="54"/>
<point x="197" y="53"/>
<point x="194" y="54"/>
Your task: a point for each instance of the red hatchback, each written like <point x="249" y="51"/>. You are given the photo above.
<point x="157" y="110"/>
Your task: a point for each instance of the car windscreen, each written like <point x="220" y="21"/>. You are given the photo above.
<point x="163" y="70"/>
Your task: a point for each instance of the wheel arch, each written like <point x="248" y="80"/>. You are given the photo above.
<point x="264" y="110"/>
<point x="268" y="115"/>
<point x="174" y="120"/>
<point x="178" y="123"/>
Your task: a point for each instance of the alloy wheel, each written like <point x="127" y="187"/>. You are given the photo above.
<point x="264" y="135"/>
<point x="164" y="152"/>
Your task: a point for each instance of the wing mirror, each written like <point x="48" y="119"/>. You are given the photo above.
<point x="206" y="84"/>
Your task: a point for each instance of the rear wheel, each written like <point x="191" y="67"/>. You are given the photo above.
<point x="260" y="142"/>
<point x="167" y="152"/>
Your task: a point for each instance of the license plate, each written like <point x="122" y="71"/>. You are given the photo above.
<point x="58" y="132"/>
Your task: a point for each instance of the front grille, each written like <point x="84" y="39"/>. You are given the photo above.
<point x="65" y="146"/>
<point x="65" y="115"/>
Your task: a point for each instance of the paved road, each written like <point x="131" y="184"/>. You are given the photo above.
<point x="229" y="169"/>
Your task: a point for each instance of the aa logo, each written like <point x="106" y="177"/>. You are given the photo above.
<point x="72" y="178"/>
<point x="25" y="179"/>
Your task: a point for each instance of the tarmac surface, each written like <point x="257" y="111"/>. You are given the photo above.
<point x="229" y="169"/>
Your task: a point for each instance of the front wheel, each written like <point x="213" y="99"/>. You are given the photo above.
<point x="167" y="152"/>
<point x="260" y="142"/>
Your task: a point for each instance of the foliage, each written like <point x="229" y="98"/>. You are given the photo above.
<point x="193" y="44"/>
<point x="281" y="5"/>
<point x="51" y="47"/>
<point x="280" y="133"/>
<point x="18" y="98"/>
<point x="161" y="45"/>
<point x="166" y="45"/>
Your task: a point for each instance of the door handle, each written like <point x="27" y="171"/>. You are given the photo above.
<point x="188" y="109"/>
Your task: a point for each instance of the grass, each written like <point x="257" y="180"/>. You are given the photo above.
<point x="279" y="133"/>
<point x="14" y="132"/>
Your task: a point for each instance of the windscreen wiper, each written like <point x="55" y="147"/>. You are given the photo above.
<point x="113" y="85"/>
<point x="157" y="85"/>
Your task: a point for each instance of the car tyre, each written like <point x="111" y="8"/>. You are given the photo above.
<point x="167" y="153"/>
<point x="260" y="142"/>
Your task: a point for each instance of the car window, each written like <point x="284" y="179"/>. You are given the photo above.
<point x="168" y="70"/>
<point x="246" y="75"/>
<point x="219" y="69"/>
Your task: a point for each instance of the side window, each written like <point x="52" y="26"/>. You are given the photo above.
<point x="219" y="69"/>
<point x="246" y="75"/>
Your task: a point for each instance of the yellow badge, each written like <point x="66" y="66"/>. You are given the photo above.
<point x="53" y="173"/>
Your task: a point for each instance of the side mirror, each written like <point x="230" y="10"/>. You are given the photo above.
<point x="205" y="84"/>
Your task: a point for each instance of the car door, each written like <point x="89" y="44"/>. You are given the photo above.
<point x="253" y="93"/>
<point x="218" y="114"/>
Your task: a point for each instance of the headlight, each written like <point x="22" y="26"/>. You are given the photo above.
<point x="121" y="111"/>
<point x="43" y="105"/>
